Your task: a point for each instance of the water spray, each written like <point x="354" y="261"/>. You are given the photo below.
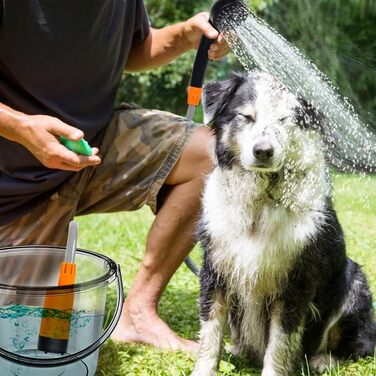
<point x="220" y="10"/>
<point x="350" y="144"/>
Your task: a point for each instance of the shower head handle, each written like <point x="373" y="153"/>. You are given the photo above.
<point x="201" y="61"/>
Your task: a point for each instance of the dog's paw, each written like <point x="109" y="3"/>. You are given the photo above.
<point x="202" y="372"/>
<point x="323" y="362"/>
<point x="204" y="368"/>
<point x="269" y="371"/>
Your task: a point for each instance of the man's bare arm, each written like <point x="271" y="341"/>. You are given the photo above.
<point x="164" y="45"/>
<point x="40" y="135"/>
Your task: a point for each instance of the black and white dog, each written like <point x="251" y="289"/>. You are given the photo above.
<point x="275" y="267"/>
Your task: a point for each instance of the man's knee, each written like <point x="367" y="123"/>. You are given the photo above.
<point x="196" y="159"/>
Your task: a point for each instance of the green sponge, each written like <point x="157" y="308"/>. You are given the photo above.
<point x="80" y="147"/>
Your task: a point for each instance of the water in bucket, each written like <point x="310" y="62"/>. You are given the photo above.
<point x="29" y="273"/>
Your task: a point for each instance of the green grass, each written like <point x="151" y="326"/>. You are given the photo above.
<point x="122" y="237"/>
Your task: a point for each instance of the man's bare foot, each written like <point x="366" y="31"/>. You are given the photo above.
<point x="148" y="328"/>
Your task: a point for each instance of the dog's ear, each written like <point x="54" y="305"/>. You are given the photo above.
<point x="216" y="96"/>
<point x="309" y="117"/>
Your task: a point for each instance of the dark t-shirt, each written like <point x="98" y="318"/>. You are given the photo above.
<point x="63" y="58"/>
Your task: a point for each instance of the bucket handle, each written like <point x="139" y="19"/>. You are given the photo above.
<point x="78" y="356"/>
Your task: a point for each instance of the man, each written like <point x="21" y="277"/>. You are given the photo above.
<point x="60" y="66"/>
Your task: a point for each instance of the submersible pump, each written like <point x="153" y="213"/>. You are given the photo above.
<point x="220" y="11"/>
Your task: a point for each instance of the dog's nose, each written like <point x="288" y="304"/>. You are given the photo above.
<point x="263" y="151"/>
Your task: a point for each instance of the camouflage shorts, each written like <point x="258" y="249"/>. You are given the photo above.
<point x="138" y="151"/>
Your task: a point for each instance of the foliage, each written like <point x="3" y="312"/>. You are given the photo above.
<point x="122" y="237"/>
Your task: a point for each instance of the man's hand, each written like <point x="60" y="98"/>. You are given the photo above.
<point x="40" y="135"/>
<point x="198" y="25"/>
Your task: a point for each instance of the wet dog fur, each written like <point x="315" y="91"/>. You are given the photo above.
<point x="275" y="267"/>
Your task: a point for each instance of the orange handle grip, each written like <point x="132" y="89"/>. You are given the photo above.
<point x="194" y="95"/>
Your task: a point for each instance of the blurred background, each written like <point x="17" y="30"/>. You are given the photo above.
<point x="339" y="36"/>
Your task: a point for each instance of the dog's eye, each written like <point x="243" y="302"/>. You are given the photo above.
<point x="284" y="119"/>
<point x="248" y="118"/>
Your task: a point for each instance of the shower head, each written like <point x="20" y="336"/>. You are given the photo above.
<point x="223" y="9"/>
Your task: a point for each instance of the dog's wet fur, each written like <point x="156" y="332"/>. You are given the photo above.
<point x="275" y="266"/>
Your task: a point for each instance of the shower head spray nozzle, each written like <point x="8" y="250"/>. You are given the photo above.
<point x="223" y="9"/>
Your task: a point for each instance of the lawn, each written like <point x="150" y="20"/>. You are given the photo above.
<point x="122" y="237"/>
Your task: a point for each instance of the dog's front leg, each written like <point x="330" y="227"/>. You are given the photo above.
<point x="284" y="344"/>
<point x="213" y="320"/>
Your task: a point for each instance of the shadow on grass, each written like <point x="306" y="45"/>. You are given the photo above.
<point x="179" y="309"/>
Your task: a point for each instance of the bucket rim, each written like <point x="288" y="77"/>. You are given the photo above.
<point x="105" y="279"/>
